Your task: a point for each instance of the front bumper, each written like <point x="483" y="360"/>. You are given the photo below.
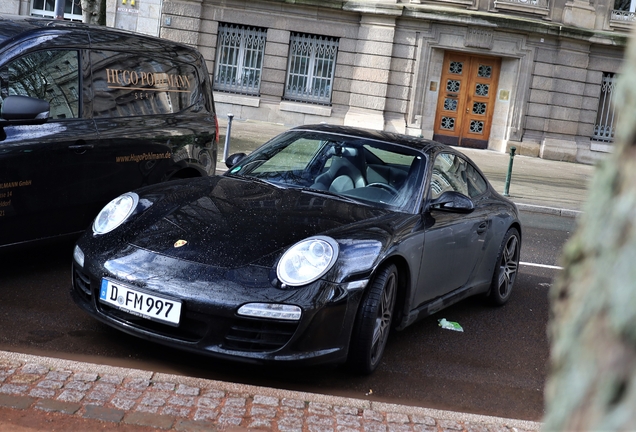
<point x="210" y="300"/>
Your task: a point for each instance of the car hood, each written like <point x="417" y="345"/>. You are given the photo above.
<point x="231" y="222"/>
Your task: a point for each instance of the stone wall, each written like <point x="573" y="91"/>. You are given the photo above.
<point x="389" y="67"/>
<point x="564" y="98"/>
<point x="390" y="55"/>
<point x="9" y="7"/>
<point x="280" y="21"/>
<point x="137" y="16"/>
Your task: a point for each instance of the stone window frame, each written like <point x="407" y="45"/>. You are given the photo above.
<point x="311" y="66"/>
<point x="534" y="7"/>
<point x="512" y="96"/>
<point x="624" y="17"/>
<point x="606" y="115"/>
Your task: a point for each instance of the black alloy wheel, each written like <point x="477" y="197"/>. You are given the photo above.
<point x="373" y="322"/>
<point x="506" y="268"/>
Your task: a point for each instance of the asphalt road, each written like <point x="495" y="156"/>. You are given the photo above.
<point x="497" y="366"/>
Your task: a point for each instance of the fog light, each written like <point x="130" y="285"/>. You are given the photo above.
<point x="273" y="311"/>
<point x="78" y="254"/>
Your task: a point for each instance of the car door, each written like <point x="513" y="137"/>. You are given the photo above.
<point x="453" y="241"/>
<point x="42" y="166"/>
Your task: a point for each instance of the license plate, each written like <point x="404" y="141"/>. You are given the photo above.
<point x="140" y="303"/>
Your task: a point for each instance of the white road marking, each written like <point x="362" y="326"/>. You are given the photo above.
<point x="541" y="265"/>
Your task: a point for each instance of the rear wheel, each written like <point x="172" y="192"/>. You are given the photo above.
<point x="373" y="322"/>
<point x="506" y="268"/>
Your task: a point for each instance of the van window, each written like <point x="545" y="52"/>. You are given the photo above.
<point x="50" y="75"/>
<point x="127" y="85"/>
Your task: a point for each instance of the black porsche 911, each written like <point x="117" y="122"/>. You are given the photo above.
<point x="310" y="249"/>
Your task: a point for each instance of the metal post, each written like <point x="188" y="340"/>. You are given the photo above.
<point x="509" y="175"/>
<point x="226" y="150"/>
<point x="60" y="5"/>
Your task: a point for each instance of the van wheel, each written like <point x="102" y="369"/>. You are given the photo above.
<point x="373" y="322"/>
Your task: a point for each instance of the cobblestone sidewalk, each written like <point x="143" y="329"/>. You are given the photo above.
<point x="171" y="402"/>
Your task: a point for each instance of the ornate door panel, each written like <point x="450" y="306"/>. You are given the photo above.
<point x="466" y="100"/>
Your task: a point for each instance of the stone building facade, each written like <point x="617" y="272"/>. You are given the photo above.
<point x="534" y="74"/>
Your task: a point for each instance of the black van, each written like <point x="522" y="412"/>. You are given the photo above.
<point x="87" y="113"/>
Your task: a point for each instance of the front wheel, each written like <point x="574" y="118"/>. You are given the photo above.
<point x="373" y="322"/>
<point x="506" y="268"/>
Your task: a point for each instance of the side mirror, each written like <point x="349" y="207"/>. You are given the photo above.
<point x="234" y="159"/>
<point x="24" y="110"/>
<point x="452" y="201"/>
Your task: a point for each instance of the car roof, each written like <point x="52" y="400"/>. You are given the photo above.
<point x="422" y="144"/>
<point x="13" y="25"/>
<point x="14" y="28"/>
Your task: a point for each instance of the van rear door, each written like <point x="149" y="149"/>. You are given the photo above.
<point x="151" y="114"/>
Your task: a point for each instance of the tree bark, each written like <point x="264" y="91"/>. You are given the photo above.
<point x="592" y="377"/>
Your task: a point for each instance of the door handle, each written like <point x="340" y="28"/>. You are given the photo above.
<point x="80" y="148"/>
<point x="482" y="227"/>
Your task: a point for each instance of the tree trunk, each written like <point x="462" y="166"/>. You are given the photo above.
<point x="592" y="377"/>
<point x="92" y="12"/>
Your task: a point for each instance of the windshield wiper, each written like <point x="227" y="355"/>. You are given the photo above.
<point x="331" y="194"/>
<point x="256" y="179"/>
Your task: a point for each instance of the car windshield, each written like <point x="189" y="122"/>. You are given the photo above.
<point x="373" y="172"/>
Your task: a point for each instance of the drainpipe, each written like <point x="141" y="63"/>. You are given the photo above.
<point x="60" y="5"/>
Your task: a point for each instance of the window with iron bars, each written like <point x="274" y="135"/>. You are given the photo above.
<point x="46" y="8"/>
<point x="239" y="59"/>
<point x="604" y="127"/>
<point x="310" y="68"/>
<point x="624" y="10"/>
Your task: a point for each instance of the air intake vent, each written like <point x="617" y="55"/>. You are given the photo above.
<point x="247" y="334"/>
<point x="81" y="281"/>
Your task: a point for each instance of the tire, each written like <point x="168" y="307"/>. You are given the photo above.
<point x="506" y="268"/>
<point x="373" y="322"/>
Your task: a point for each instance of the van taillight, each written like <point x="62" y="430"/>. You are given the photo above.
<point x="216" y="125"/>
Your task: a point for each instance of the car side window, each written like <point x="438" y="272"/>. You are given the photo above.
<point x="449" y="174"/>
<point x="131" y="85"/>
<point x="50" y="75"/>
<point x="477" y="185"/>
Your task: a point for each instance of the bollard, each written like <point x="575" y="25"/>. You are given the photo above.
<point x="509" y="175"/>
<point x="226" y="150"/>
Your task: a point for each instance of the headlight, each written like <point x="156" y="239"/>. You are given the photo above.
<point x="115" y="213"/>
<point x="307" y="260"/>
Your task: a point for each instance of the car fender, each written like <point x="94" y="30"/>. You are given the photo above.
<point x="361" y="259"/>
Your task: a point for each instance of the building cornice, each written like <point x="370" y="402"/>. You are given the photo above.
<point x="467" y="17"/>
<point x="510" y="22"/>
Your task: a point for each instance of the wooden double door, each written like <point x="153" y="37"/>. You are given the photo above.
<point x="466" y="100"/>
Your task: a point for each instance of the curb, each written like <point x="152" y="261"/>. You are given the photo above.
<point x="24" y="377"/>
<point x="548" y="210"/>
